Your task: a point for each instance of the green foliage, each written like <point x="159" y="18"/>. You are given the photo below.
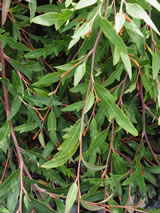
<point x="79" y="105"/>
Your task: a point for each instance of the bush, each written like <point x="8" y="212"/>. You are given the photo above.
<point x="80" y="102"/>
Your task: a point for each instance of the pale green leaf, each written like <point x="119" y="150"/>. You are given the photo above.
<point x="90" y="102"/>
<point x="119" y="21"/>
<point x="133" y="27"/>
<point x="155" y="64"/>
<point x="51" y="122"/>
<point x="71" y="197"/>
<point x="41" y="139"/>
<point x="68" y="2"/>
<point x="76" y="106"/>
<point x="32" y="8"/>
<point x="111" y="34"/>
<point x="127" y="64"/>
<point x="136" y="11"/>
<point x="93" y="167"/>
<point x="3" y="210"/>
<point x="89" y="206"/>
<point x="116" y="56"/>
<point x="81" y="4"/>
<point x="48" y="19"/>
<point x="55" y="162"/>
<point x="82" y="31"/>
<point x="79" y="73"/>
<point x="154" y="3"/>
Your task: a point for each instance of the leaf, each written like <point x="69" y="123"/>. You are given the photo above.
<point x="93" y="167"/>
<point x="139" y="177"/>
<point x="68" y="2"/>
<point x="16" y="45"/>
<point x="35" y="117"/>
<point x="116" y="57"/>
<point x="82" y="31"/>
<point x="136" y="11"/>
<point x="5" y="8"/>
<point x="69" y="144"/>
<point x="32" y="8"/>
<point x="79" y="73"/>
<point x="81" y="4"/>
<point x="76" y="106"/>
<point x="154" y="3"/>
<point x="3" y="210"/>
<point x="90" y="206"/>
<point x="55" y="162"/>
<point x="155" y="64"/>
<point x="107" y="95"/>
<point x="119" y="164"/>
<point x="71" y="197"/>
<point x="4" y="130"/>
<point x="133" y="27"/>
<point x="47" y="79"/>
<point x="16" y="104"/>
<point x="119" y="21"/>
<point x="35" y="53"/>
<point x="48" y="19"/>
<point x="90" y="102"/>
<point x="98" y="140"/>
<point x="116" y="112"/>
<point x="39" y="206"/>
<point x="111" y="34"/>
<point x="26" y="127"/>
<point x="41" y="139"/>
<point x="127" y="64"/>
<point x="51" y="122"/>
<point x="9" y="182"/>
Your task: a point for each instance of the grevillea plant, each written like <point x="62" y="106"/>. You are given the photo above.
<point x="79" y="105"/>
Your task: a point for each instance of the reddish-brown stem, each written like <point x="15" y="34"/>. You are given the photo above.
<point x="144" y="134"/>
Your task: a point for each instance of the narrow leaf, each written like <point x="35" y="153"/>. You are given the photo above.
<point x="154" y="3"/>
<point x="68" y="2"/>
<point x="55" y="162"/>
<point x="48" y="19"/>
<point x="155" y="64"/>
<point x="79" y="73"/>
<point x="16" y="104"/>
<point x="93" y="167"/>
<point x="39" y="206"/>
<point x="116" y="112"/>
<point x="47" y="79"/>
<point x="81" y="4"/>
<point x="90" y="102"/>
<point x="119" y="21"/>
<point x="51" y="123"/>
<point x="4" y="130"/>
<point x="10" y="181"/>
<point x="90" y="206"/>
<point x="111" y="34"/>
<point x="32" y="8"/>
<point x="127" y="64"/>
<point x="71" y="197"/>
<point x="136" y="11"/>
<point x="5" y="8"/>
<point x="76" y="106"/>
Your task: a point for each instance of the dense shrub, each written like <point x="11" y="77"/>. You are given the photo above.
<point x="79" y="102"/>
